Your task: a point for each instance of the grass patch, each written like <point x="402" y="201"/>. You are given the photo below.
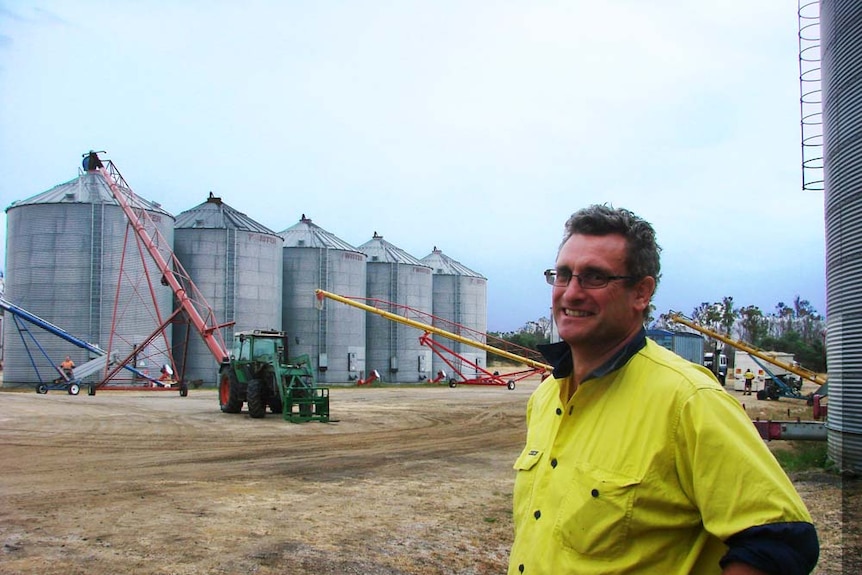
<point x="802" y="456"/>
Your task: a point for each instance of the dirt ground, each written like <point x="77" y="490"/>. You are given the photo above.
<point x="407" y="481"/>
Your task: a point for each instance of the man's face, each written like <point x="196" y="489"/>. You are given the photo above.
<point x="598" y="320"/>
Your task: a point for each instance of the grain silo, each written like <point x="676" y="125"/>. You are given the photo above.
<point x="332" y="336"/>
<point x="235" y="262"/>
<point x="392" y="348"/>
<point x="65" y="251"/>
<point x="841" y="52"/>
<point x="459" y="305"/>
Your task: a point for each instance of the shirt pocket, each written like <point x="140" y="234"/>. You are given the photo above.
<point x="595" y="514"/>
<point x="525" y="480"/>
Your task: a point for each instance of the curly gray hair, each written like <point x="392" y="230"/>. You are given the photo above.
<point x="642" y="251"/>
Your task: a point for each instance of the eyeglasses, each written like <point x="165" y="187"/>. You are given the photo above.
<point x="587" y="280"/>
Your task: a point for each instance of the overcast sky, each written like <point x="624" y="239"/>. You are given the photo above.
<point x="474" y="126"/>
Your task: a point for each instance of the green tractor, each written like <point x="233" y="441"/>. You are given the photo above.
<point x="260" y="375"/>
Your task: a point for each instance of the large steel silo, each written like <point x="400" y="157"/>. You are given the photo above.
<point x="394" y="276"/>
<point x="459" y="301"/>
<point x="841" y="54"/>
<point x="333" y="336"/>
<point x="65" y="249"/>
<point x="235" y="262"/>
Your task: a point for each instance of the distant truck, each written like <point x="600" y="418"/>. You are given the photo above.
<point x="719" y="368"/>
<point x="690" y="346"/>
<point x="685" y="344"/>
<point x="743" y="361"/>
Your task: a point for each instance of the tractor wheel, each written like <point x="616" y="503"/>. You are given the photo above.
<point x="761" y="394"/>
<point x="184" y="390"/>
<point x="511" y="384"/>
<point x="256" y="403"/>
<point x="74" y="389"/>
<point x="91" y="389"/>
<point x="42" y="388"/>
<point x="228" y="394"/>
<point x="452" y="382"/>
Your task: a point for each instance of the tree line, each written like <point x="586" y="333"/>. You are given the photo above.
<point x="796" y="328"/>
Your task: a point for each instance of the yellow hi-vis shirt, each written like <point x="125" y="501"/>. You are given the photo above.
<point x="647" y="470"/>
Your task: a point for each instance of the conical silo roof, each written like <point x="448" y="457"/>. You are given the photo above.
<point x="87" y="188"/>
<point x="379" y="250"/>
<point x="307" y="234"/>
<point x="444" y="265"/>
<point x="215" y="214"/>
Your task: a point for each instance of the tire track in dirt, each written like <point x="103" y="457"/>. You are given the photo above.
<point x="139" y="439"/>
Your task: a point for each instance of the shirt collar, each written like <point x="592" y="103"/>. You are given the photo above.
<point x="560" y="357"/>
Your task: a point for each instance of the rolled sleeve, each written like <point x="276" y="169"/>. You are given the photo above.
<point x="777" y="548"/>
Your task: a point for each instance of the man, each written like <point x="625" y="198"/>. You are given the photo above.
<point x="66" y="368"/>
<point x="749" y="377"/>
<point x="636" y="460"/>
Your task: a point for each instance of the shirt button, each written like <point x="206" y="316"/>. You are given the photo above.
<point x="537" y="514"/>
<point x="559" y="411"/>
<point x="594" y="492"/>
<point x="554" y="462"/>
<point x="521" y="568"/>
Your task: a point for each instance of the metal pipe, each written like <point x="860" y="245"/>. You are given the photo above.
<point x="791" y="430"/>
<point x="208" y="332"/>
<point x="431" y="329"/>
<point x="741" y="345"/>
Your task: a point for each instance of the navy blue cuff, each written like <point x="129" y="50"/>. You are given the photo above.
<point x="776" y="548"/>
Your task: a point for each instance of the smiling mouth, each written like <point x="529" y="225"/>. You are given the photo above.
<point x="575" y="313"/>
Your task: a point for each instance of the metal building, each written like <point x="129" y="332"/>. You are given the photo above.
<point x="392" y="348"/>
<point x="236" y="264"/>
<point x="841" y="54"/>
<point x="684" y="344"/>
<point x="333" y="336"/>
<point x="64" y="253"/>
<point x="459" y="299"/>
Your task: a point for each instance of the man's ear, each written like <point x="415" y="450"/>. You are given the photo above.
<point x="643" y="291"/>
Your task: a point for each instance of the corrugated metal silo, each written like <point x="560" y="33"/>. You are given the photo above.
<point x="392" y="348"/>
<point x="236" y="264"/>
<point x="841" y="51"/>
<point x="334" y="336"/>
<point x="460" y="298"/>
<point x="64" y="251"/>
